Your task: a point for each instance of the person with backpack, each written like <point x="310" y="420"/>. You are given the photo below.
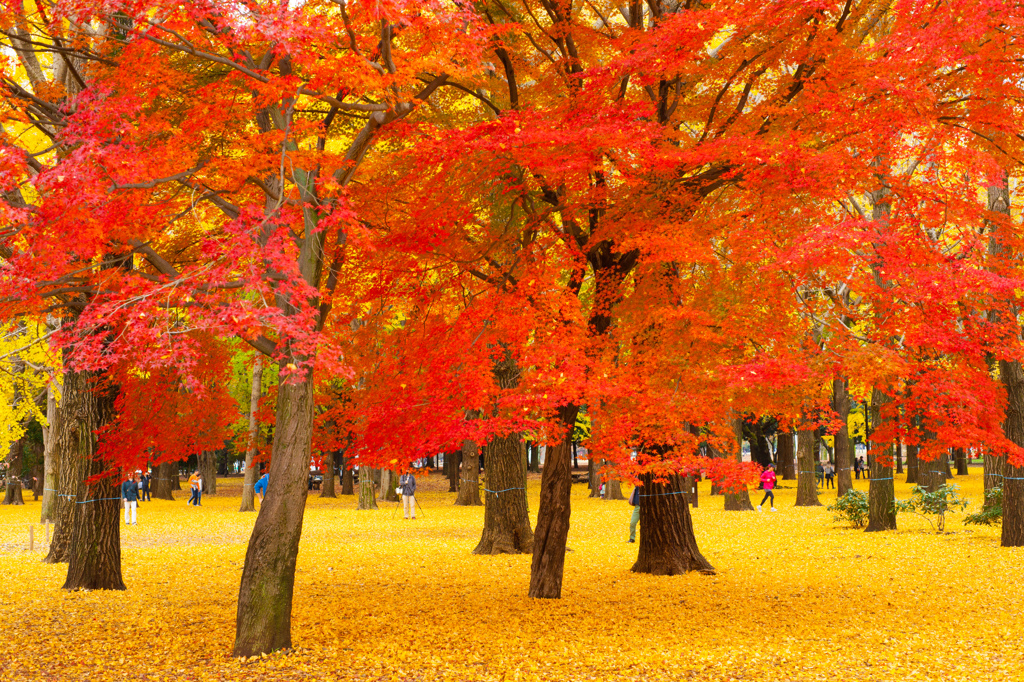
<point x="634" y="499"/>
<point x="130" y="495"/>
<point x="768" y="483"/>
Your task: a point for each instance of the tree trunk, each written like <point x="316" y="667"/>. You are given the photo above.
<point x="506" y="516"/>
<point x="346" y="478"/>
<point x="913" y="469"/>
<point x="594" y="480"/>
<point x="327" y="487"/>
<point x="388" y="481"/>
<point x="931" y="475"/>
<point x="738" y="501"/>
<point x="785" y="456"/>
<point x="960" y="457"/>
<point x="469" y="478"/>
<point x="367" y="497"/>
<point x="51" y="463"/>
<point x="898" y="456"/>
<point x="881" y="491"/>
<point x="535" y="458"/>
<point x="553" y="514"/>
<point x="1012" y="376"/>
<point x="252" y="472"/>
<point x="993" y="472"/>
<point x="844" y="457"/>
<point x="164" y="476"/>
<point x="806" y="487"/>
<point x="667" y="542"/>
<point x="452" y="460"/>
<point x="208" y="470"/>
<point x="12" y="492"/>
<point x="613" y="490"/>
<point x="760" y="450"/>
<point x="94" y="554"/>
<point x="265" y="595"/>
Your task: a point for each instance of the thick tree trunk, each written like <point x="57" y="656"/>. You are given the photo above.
<point x="367" y="495"/>
<point x="327" y="487"/>
<point x="265" y="595"/>
<point x="51" y="464"/>
<point x="346" y="478"/>
<point x="844" y="456"/>
<point x="760" y="450"/>
<point x="208" y="470"/>
<point x="785" y="456"/>
<point x="881" y="491"/>
<point x="667" y="542"/>
<point x="388" y="481"/>
<point x="960" y="458"/>
<point x="931" y="475"/>
<point x="553" y="514"/>
<point x="1012" y="376"/>
<point x="94" y="556"/>
<point x="469" y="477"/>
<point x="913" y="469"/>
<point x="506" y="516"/>
<point x="252" y="472"/>
<point x="534" y="458"/>
<point x="806" y="487"/>
<point x="740" y="500"/>
<point x="12" y="491"/>
<point x="164" y="476"/>
<point x="453" y="461"/>
<point x="613" y="489"/>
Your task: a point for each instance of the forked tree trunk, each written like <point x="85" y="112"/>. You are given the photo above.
<point x="208" y="470"/>
<point x="738" y="500"/>
<point x="553" y="514"/>
<point x="806" y="487"/>
<point x="327" y="486"/>
<point x="94" y="555"/>
<point x="613" y="489"/>
<point x="844" y="457"/>
<point x="51" y="465"/>
<point x="263" y="622"/>
<point x="506" y="516"/>
<point x="12" y="491"/>
<point x="164" y="476"/>
<point x="469" y="477"/>
<point x="881" y="491"/>
<point x="667" y="542"/>
<point x="367" y="495"/>
<point x="1012" y="376"/>
<point x="913" y="468"/>
<point x="785" y="456"/>
<point x="252" y="472"/>
<point x="346" y="478"/>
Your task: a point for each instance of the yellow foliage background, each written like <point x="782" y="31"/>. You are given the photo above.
<point x="796" y="597"/>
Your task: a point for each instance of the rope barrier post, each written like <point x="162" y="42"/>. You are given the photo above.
<point x="31" y="538"/>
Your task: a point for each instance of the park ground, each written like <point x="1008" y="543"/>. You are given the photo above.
<point x="796" y="597"/>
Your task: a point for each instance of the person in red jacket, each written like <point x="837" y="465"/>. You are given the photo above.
<point x="768" y="483"/>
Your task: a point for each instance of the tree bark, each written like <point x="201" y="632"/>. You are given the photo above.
<point x="346" y="478"/>
<point x="12" y="491"/>
<point x="164" y="476"/>
<point x="613" y="489"/>
<point x="208" y="470"/>
<point x="960" y="457"/>
<point x="469" y="477"/>
<point x="931" y="475"/>
<point x="252" y="472"/>
<point x="1012" y="376"/>
<point x="667" y="543"/>
<point x="881" y="491"/>
<point x="594" y="480"/>
<point x="453" y="460"/>
<point x="993" y="472"/>
<point x="327" y="487"/>
<point x="51" y="464"/>
<point x="785" y="456"/>
<point x="367" y="496"/>
<point x="806" y="487"/>
<point x="844" y="457"/>
<point x="898" y="456"/>
<point x="534" y="458"/>
<point x="913" y="469"/>
<point x="553" y="514"/>
<point x="94" y="553"/>
<point x="388" y="481"/>
<point x="506" y="516"/>
<point x="263" y="621"/>
<point x="738" y="501"/>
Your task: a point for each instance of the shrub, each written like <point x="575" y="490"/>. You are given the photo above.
<point x="851" y="507"/>
<point x="991" y="513"/>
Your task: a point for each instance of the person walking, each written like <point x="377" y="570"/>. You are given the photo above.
<point x="830" y="475"/>
<point x="261" y="486"/>
<point x="130" y="495"/>
<point x="407" y="484"/>
<point x="199" y="489"/>
<point x="193" y="482"/>
<point x="146" y="477"/>
<point x="768" y="483"/>
<point x="634" y="499"/>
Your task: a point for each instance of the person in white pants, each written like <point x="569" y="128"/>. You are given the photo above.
<point x="407" y="482"/>
<point x="130" y="494"/>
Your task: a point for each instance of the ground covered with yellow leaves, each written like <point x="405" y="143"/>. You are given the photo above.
<point x="796" y="597"/>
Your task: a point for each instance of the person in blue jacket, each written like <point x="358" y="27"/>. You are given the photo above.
<point x="261" y="486"/>
<point x="407" y="484"/>
<point x="130" y="495"/>
<point x="634" y="499"/>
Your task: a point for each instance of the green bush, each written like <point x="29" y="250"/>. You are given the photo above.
<point x="991" y="513"/>
<point x="852" y="508"/>
<point x="926" y="504"/>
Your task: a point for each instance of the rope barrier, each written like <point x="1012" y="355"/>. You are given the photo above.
<point x="501" y="491"/>
<point x="681" y="492"/>
<point x="881" y="479"/>
<point x="98" y="499"/>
